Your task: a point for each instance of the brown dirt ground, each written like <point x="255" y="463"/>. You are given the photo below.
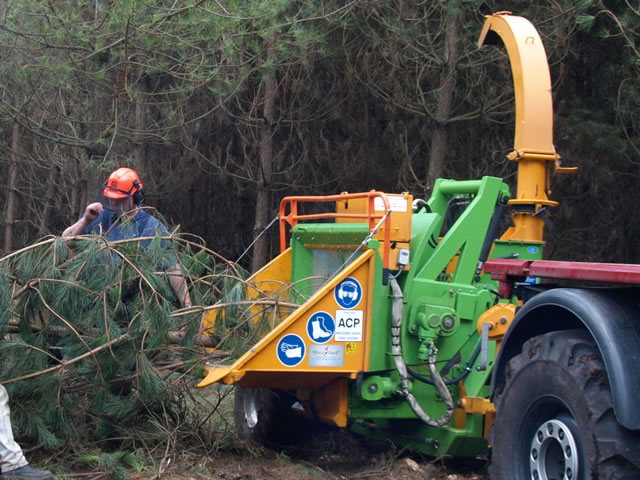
<point x="337" y="455"/>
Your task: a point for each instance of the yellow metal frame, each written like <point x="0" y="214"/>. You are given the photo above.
<point x="260" y="365"/>
<point x="322" y="390"/>
<point x="473" y="405"/>
<point x="330" y="403"/>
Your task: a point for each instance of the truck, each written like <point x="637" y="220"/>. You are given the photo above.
<point x="427" y="323"/>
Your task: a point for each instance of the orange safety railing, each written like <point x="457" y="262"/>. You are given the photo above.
<point x="293" y="217"/>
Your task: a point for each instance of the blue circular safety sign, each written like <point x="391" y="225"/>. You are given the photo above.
<point x="348" y="293"/>
<point x="291" y="350"/>
<point x="320" y="327"/>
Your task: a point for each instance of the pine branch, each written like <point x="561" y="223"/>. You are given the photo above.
<point x="200" y="340"/>
<point x="65" y="363"/>
<point x="95" y="322"/>
<point x="63" y="320"/>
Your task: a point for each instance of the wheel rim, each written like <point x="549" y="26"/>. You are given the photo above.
<point x="554" y="452"/>
<point x="250" y="406"/>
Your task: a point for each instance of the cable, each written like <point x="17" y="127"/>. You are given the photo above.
<point x="500" y="156"/>
<point x="362" y="245"/>
<point x="275" y="219"/>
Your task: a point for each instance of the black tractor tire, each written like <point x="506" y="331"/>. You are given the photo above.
<point x="555" y="417"/>
<point x="265" y="416"/>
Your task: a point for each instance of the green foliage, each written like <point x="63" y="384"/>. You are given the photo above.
<point x="87" y="347"/>
<point x="117" y="465"/>
<point x="585" y="21"/>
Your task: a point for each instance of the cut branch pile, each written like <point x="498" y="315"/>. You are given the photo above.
<point x="95" y="352"/>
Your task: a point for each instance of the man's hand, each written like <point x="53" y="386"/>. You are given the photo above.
<point x="92" y="211"/>
<point x="179" y="285"/>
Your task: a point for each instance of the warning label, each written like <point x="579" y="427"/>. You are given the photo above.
<point x="349" y="325"/>
<point x="396" y="203"/>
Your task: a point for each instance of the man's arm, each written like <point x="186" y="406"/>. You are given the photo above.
<point x="92" y="212"/>
<point x="179" y="285"/>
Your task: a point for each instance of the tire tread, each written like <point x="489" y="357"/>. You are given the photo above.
<point x="618" y="449"/>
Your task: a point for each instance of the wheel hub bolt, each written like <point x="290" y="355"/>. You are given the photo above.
<point x="569" y="473"/>
<point x="534" y="454"/>
<point x="550" y="428"/>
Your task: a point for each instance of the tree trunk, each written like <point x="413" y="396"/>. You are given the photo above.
<point x="49" y="202"/>
<point x="10" y="210"/>
<point x="263" y="204"/>
<point x="439" y="137"/>
<point x="83" y="184"/>
<point x="140" y="151"/>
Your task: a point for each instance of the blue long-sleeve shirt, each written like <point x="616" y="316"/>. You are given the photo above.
<point x="140" y="225"/>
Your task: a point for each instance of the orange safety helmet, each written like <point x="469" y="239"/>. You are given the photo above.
<point x="124" y="182"/>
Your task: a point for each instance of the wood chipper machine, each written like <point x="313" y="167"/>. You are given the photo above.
<point x="421" y="322"/>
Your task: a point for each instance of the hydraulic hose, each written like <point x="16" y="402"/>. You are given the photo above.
<point x="492" y="232"/>
<point x="396" y="350"/>
<point x="452" y="381"/>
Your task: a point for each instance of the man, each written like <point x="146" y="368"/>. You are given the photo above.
<point x="124" y="219"/>
<point x="13" y="465"/>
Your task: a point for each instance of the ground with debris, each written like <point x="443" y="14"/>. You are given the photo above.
<point x="332" y="455"/>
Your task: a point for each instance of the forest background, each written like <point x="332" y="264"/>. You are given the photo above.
<point x="225" y="106"/>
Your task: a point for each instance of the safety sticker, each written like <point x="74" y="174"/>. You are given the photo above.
<point x="348" y="293"/>
<point x="350" y="348"/>
<point x="326" y="355"/>
<point x="320" y="327"/>
<point x="396" y="203"/>
<point x="349" y="325"/>
<point x="291" y="350"/>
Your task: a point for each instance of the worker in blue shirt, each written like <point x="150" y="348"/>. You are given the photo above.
<point x="123" y="219"/>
